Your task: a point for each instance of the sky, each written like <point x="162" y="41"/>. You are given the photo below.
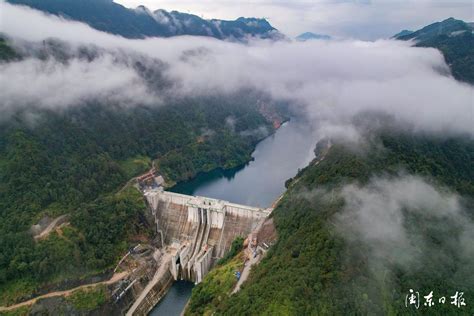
<point x="360" y="19"/>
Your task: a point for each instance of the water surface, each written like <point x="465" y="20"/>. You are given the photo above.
<point x="175" y="300"/>
<point x="259" y="183"/>
<point x="276" y="159"/>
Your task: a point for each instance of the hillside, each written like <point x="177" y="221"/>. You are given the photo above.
<point x="6" y="52"/>
<point x="454" y="38"/>
<point x="107" y="16"/>
<point x="308" y="36"/>
<point x="92" y="124"/>
<point x="359" y="228"/>
<point x="75" y="161"/>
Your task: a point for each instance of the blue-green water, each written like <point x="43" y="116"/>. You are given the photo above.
<point x="259" y="183"/>
<point x="276" y="159"/>
<point x="175" y="300"/>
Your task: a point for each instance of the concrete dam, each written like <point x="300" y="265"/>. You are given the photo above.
<point x="193" y="232"/>
<point x="199" y="230"/>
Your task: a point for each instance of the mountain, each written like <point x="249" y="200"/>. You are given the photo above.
<point x="358" y="228"/>
<point x="6" y="52"/>
<point x="448" y="27"/>
<point x="78" y="160"/>
<point x="311" y="36"/>
<point x="402" y="33"/>
<point x="107" y="16"/>
<point x="455" y="39"/>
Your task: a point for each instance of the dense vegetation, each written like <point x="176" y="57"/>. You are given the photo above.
<point x="21" y="311"/>
<point x="6" y="52"/>
<point x="215" y="286"/>
<point x="314" y="270"/>
<point x="235" y="248"/>
<point x="88" y="299"/>
<point x="98" y="233"/>
<point x="454" y="38"/>
<point x="75" y="160"/>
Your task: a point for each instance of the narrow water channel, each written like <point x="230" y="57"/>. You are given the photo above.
<point x="259" y="183"/>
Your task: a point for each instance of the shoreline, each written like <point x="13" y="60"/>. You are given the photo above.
<point x="237" y="168"/>
<point x="170" y="184"/>
<point x="232" y="170"/>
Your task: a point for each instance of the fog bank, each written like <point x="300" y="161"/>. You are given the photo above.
<point x="331" y="81"/>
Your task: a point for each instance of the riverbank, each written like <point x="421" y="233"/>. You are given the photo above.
<point x="231" y="168"/>
<point x="260" y="182"/>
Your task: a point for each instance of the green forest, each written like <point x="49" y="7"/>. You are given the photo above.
<point x="313" y="270"/>
<point x="458" y="52"/>
<point x="455" y="39"/>
<point x="74" y="161"/>
<point x="78" y="160"/>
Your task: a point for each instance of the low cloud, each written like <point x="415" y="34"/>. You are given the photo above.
<point x="50" y="84"/>
<point x="330" y="81"/>
<point x="396" y="217"/>
<point x="259" y="133"/>
<point x="230" y="122"/>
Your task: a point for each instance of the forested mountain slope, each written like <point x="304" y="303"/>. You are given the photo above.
<point x="73" y="160"/>
<point x="455" y="39"/>
<point x="359" y="227"/>
<point x="107" y="16"/>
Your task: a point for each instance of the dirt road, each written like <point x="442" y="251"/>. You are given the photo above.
<point x="246" y="271"/>
<point x="50" y="227"/>
<point x="116" y="277"/>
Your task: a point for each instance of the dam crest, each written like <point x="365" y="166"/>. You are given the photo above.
<point x="199" y="230"/>
<point x="193" y="232"/>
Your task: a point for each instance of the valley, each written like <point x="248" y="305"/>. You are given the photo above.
<point x="155" y="161"/>
<point x="323" y="260"/>
<point x="269" y="154"/>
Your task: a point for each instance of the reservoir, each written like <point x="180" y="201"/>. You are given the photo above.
<point x="258" y="183"/>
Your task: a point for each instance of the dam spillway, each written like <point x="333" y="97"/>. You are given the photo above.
<point x="193" y="232"/>
<point x="258" y="183"/>
<point x="199" y="230"/>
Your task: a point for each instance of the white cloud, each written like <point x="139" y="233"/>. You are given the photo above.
<point x="381" y="215"/>
<point x="49" y="84"/>
<point x="364" y="19"/>
<point x="331" y="80"/>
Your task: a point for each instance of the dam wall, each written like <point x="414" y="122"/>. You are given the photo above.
<point x="194" y="232"/>
<point x="199" y="230"/>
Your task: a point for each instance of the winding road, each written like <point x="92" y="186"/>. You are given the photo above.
<point x="116" y="277"/>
